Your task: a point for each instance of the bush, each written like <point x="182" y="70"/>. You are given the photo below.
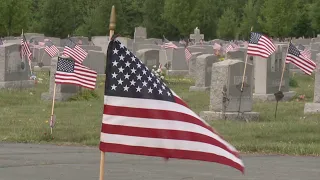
<point x="293" y="82"/>
<point x="85" y="95"/>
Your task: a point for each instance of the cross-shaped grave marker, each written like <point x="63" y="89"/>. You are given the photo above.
<point x="196" y="36"/>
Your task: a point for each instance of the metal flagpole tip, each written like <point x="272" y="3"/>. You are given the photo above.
<point x="112" y="25"/>
<point x="278" y="95"/>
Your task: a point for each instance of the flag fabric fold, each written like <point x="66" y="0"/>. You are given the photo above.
<point x="260" y="45"/>
<point x="297" y="58"/>
<point x="51" y="49"/>
<point x="143" y="116"/>
<point x="26" y="51"/>
<point x="71" y="72"/>
<point x="75" y="51"/>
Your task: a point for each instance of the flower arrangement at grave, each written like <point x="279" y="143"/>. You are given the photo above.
<point x="159" y="73"/>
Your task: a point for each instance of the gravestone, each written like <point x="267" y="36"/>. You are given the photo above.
<point x="192" y="64"/>
<point x="96" y="60"/>
<point x="101" y="41"/>
<point x="140" y="34"/>
<point x="12" y="75"/>
<point x="268" y="76"/>
<point x="240" y="53"/>
<point x="92" y="48"/>
<point x="41" y="60"/>
<point x="196" y="36"/>
<point x="54" y="40"/>
<point x="206" y="49"/>
<point x="30" y="35"/>
<point x="179" y="66"/>
<point x="63" y="91"/>
<point x="314" y="107"/>
<point x="149" y="57"/>
<point x="203" y="72"/>
<point x="225" y="92"/>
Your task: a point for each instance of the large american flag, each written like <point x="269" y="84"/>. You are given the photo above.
<point x="143" y="116"/>
<point x="260" y="45"/>
<point x="295" y="57"/>
<point x="25" y="48"/>
<point x="75" y="51"/>
<point x="71" y="72"/>
<point x="51" y="49"/>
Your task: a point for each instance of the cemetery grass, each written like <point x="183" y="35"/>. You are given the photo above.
<point x="24" y="118"/>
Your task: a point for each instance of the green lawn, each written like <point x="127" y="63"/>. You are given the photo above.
<point x="24" y="118"/>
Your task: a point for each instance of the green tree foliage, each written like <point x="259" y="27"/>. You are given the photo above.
<point x="315" y="16"/>
<point x="178" y="13"/>
<point x="14" y="16"/>
<point x="228" y="25"/>
<point x="58" y="19"/>
<point x="278" y="17"/>
<point x="173" y="18"/>
<point x="249" y="19"/>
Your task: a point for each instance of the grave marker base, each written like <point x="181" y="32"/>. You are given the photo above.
<point x="178" y="72"/>
<point x="245" y="116"/>
<point x="270" y="97"/>
<point x="59" y="96"/>
<point x="312" y="108"/>
<point x="17" y="84"/>
<point x="198" y="89"/>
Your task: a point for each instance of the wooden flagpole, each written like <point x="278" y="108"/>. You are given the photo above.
<point x="243" y="77"/>
<point x="279" y="95"/>
<point x="284" y="67"/>
<point x="112" y="27"/>
<point x="52" y="109"/>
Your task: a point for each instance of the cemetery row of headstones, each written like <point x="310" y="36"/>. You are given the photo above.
<point x="221" y="78"/>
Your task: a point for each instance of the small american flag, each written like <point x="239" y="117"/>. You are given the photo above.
<point x="169" y="45"/>
<point x="25" y="48"/>
<point x="230" y="48"/>
<point x="75" y="51"/>
<point x="188" y="54"/>
<point x="216" y="46"/>
<point x="71" y="72"/>
<point x="307" y="53"/>
<point x="295" y="57"/>
<point x="143" y="116"/>
<point x="51" y="49"/>
<point x="260" y="45"/>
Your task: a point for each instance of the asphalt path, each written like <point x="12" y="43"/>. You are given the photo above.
<point x="51" y="162"/>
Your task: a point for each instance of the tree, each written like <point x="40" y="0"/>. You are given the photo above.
<point x="57" y="20"/>
<point x="204" y="16"/>
<point x="14" y="16"/>
<point x="278" y="17"/>
<point x="249" y="19"/>
<point x="156" y="25"/>
<point x="228" y="25"/>
<point x="315" y="16"/>
<point x="178" y="13"/>
<point x="302" y="24"/>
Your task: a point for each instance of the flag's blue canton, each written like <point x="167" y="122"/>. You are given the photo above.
<point x="49" y="43"/>
<point x="70" y="43"/>
<point x="254" y="39"/>
<point x="293" y="50"/>
<point x="65" y="65"/>
<point x="127" y="76"/>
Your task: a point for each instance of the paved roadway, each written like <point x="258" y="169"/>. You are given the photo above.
<point x="49" y="162"/>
